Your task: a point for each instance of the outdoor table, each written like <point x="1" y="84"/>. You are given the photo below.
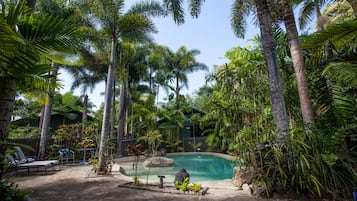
<point x="85" y="149"/>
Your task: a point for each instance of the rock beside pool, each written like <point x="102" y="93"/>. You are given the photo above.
<point x="158" y="162"/>
<point x="242" y="176"/>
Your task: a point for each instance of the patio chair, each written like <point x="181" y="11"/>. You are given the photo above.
<point x="66" y="154"/>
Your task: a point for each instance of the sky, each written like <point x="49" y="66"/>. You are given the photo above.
<point x="210" y="33"/>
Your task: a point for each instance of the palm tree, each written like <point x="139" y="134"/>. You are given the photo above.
<point x="307" y="10"/>
<point x="340" y="72"/>
<point x="84" y="78"/>
<point x="118" y="26"/>
<point x="56" y="9"/>
<point x="298" y="63"/>
<point x="46" y="115"/>
<point x="242" y="9"/>
<point x="30" y="39"/>
<point x="177" y="65"/>
<point x="131" y="58"/>
<point x="268" y="41"/>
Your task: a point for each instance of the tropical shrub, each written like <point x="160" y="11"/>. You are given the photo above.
<point x="308" y="164"/>
<point x="184" y="186"/>
<point x="196" y="187"/>
<point x="9" y="191"/>
<point x="24" y="132"/>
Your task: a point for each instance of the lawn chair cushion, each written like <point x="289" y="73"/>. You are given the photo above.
<point x="64" y="153"/>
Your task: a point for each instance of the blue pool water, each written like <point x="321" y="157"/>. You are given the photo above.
<point x="201" y="167"/>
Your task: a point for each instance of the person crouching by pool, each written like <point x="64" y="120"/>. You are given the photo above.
<point x="180" y="177"/>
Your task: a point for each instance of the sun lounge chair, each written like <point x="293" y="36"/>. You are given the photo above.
<point x="21" y="156"/>
<point x="20" y="164"/>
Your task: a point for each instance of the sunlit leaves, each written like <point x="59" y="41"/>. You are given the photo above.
<point x="195" y="7"/>
<point x="175" y="7"/>
<point x="240" y="11"/>
<point x="48" y="34"/>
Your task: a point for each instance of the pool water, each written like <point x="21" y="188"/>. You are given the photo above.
<point x="201" y="167"/>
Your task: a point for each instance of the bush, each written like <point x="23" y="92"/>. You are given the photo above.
<point x="309" y="163"/>
<point x="9" y="191"/>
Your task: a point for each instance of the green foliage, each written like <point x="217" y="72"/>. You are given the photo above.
<point x="136" y="181"/>
<point x="90" y="136"/>
<point x="196" y="187"/>
<point x="184" y="186"/>
<point x="9" y="191"/>
<point x="26" y="109"/>
<point x="153" y="139"/>
<point x="319" y="161"/>
<point x="66" y="135"/>
<point x="195" y="146"/>
<point x="24" y="132"/>
<point x="136" y="150"/>
<point x="310" y="163"/>
<point x="72" y="136"/>
<point x="173" y="144"/>
<point x="239" y="101"/>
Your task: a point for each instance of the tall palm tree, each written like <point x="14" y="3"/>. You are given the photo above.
<point x="86" y="80"/>
<point x="47" y="111"/>
<point x="308" y="9"/>
<point x="36" y="38"/>
<point x="298" y="63"/>
<point x="340" y="72"/>
<point x="177" y="65"/>
<point x="306" y="13"/>
<point x="242" y="9"/>
<point x="57" y="9"/>
<point x="157" y="74"/>
<point x="116" y="26"/>
<point x="268" y="41"/>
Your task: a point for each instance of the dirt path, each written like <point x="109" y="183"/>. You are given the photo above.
<point x="72" y="183"/>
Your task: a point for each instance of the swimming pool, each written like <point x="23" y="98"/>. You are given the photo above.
<point x="200" y="166"/>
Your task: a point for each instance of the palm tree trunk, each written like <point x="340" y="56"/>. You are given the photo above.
<point x="177" y="105"/>
<point x="45" y="126"/>
<point x="103" y="145"/>
<point x="47" y="116"/>
<point x="41" y="118"/>
<point x="84" y="115"/>
<point x="112" y="122"/>
<point x="298" y="63"/>
<point x="127" y="109"/>
<point x="7" y="100"/>
<point x="121" y="118"/>
<point x="276" y="93"/>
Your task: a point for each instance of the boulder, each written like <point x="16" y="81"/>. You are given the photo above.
<point x="158" y="162"/>
<point x="246" y="188"/>
<point x="242" y="176"/>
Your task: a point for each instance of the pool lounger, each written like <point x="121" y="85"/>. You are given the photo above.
<point x="37" y="164"/>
